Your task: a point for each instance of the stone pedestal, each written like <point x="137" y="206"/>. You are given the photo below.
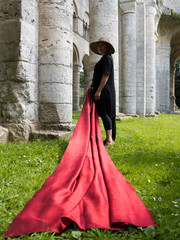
<point x="150" y="57"/>
<point x="76" y="86"/>
<point x="4" y="132"/>
<point x="104" y="22"/>
<point x="55" y="58"/>
<point x="128" y="56"/>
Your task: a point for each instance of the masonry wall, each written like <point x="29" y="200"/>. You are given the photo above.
<point x="19" y="66"/>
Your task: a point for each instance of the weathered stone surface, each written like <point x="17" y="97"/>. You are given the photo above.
<point x="50" y="134"/>
<point x="29" y="11"/>
<point x="19" y="132"/>
<point x="53" y="73"/>
<point x="56" y="53"/>
<point x="55" y="93"/>
<point x="56" y="56"/>
<point x="4" y="132"/>
<point x="12" y="27"/>
<point x="55" y="113"/>
<point x="10" y="9"/>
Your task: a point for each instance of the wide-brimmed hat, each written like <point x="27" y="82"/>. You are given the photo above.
<point x="93" y="45"/>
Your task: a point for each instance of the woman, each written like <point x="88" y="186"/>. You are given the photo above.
<point x="86" y="187"/>
<point x="103" y="89"/>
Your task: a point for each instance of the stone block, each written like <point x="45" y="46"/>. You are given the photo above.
<point x="55" y="56"/>
<point x="55" y="93"/>
<point x="2" y="72"/>
<point x="4" y="132"/>
<point x="56" y="14"/>
<point x="28" y="52"/>
<point x="10" y="52"/>
<point x="27" y="71"/>
<point x="7" y="27"/>
<point x="12" y="112"/>
<point x="17" y="96"/>
<point x="50" y="134"/>
<point x="29" y="33"/>
<point x="29" y="11"/>
<point x="31" y="112"/>
<point x="19" y="132"/>
<point x="55" y="113"/>
<point x="55" y="37"/>
<point x="55" y="73"/>
<point x="10" y="9"/>
<point x="21" y="71"/>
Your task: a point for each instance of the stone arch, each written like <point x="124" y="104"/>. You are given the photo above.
<point x="175" y="55"/>
<point x="76" y="77"/>
<point x="167" y="49"/>
<point x="75" y="17"/>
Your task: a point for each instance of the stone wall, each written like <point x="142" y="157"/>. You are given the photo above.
<point x="19" y="70"/>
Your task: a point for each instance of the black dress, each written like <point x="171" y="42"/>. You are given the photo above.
<point x="106" y="106"/>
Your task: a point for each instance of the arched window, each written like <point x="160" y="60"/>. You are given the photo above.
<point x="75" y="17"/>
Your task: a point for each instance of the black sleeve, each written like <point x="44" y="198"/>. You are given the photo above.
<point x="107" y="65"/>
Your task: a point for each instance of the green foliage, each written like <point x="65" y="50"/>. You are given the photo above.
<point x="147" y="153"/>
<point x="175" y="15"/>
<point x="81" y="79"/>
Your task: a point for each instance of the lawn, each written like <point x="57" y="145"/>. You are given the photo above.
<point x="147" y="152"/>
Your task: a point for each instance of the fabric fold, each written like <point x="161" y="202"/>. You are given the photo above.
<point x="86" y="188"/>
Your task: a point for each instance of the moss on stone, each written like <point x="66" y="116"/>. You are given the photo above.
<point x="175" y="15"/>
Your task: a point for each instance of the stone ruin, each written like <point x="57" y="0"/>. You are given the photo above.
<point x="45" y="44"/>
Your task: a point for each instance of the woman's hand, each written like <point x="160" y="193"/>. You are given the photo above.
<point x="97" y="95"/>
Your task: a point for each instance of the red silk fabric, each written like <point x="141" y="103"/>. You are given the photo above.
<point x="85" y="188"/>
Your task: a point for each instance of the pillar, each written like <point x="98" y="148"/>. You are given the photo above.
<point x="150" y="57"/>
<point x="104" y="22"/>
<point x="128" y="56"/>
<point x="76" y="86"/>
<point x="55" y="63"/>
<point x="141" y="58"/>
<point x="172" y="89"/>
<point x="19" y="67"/>
<point x="163" y="77"/>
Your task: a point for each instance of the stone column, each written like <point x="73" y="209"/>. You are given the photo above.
<point x="76" y="85"/>
<point x="55" y="63"/>
<point x="172" y="89"/>
<point x="141" y="58"/>
<point x="86" y="72"/>
<point x="128" y="55"/>
<point x="163" y="77"/>
<point x="150" y="57"/>
<point x="104" y="22"/>
<point x="19" y="67"/>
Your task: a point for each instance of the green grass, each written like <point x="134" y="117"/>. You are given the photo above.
<point x="147" y="152"/>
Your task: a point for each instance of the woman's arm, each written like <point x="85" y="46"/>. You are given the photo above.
<point x="103" y="82"/>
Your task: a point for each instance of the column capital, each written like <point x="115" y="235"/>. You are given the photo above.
<point x="77" y="68"/>
<point x="128" y="6"/>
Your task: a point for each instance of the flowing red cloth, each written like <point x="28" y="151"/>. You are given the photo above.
<point x="86" y="188"/>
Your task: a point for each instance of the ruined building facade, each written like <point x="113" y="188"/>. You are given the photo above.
<point x="44" y="44"/>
